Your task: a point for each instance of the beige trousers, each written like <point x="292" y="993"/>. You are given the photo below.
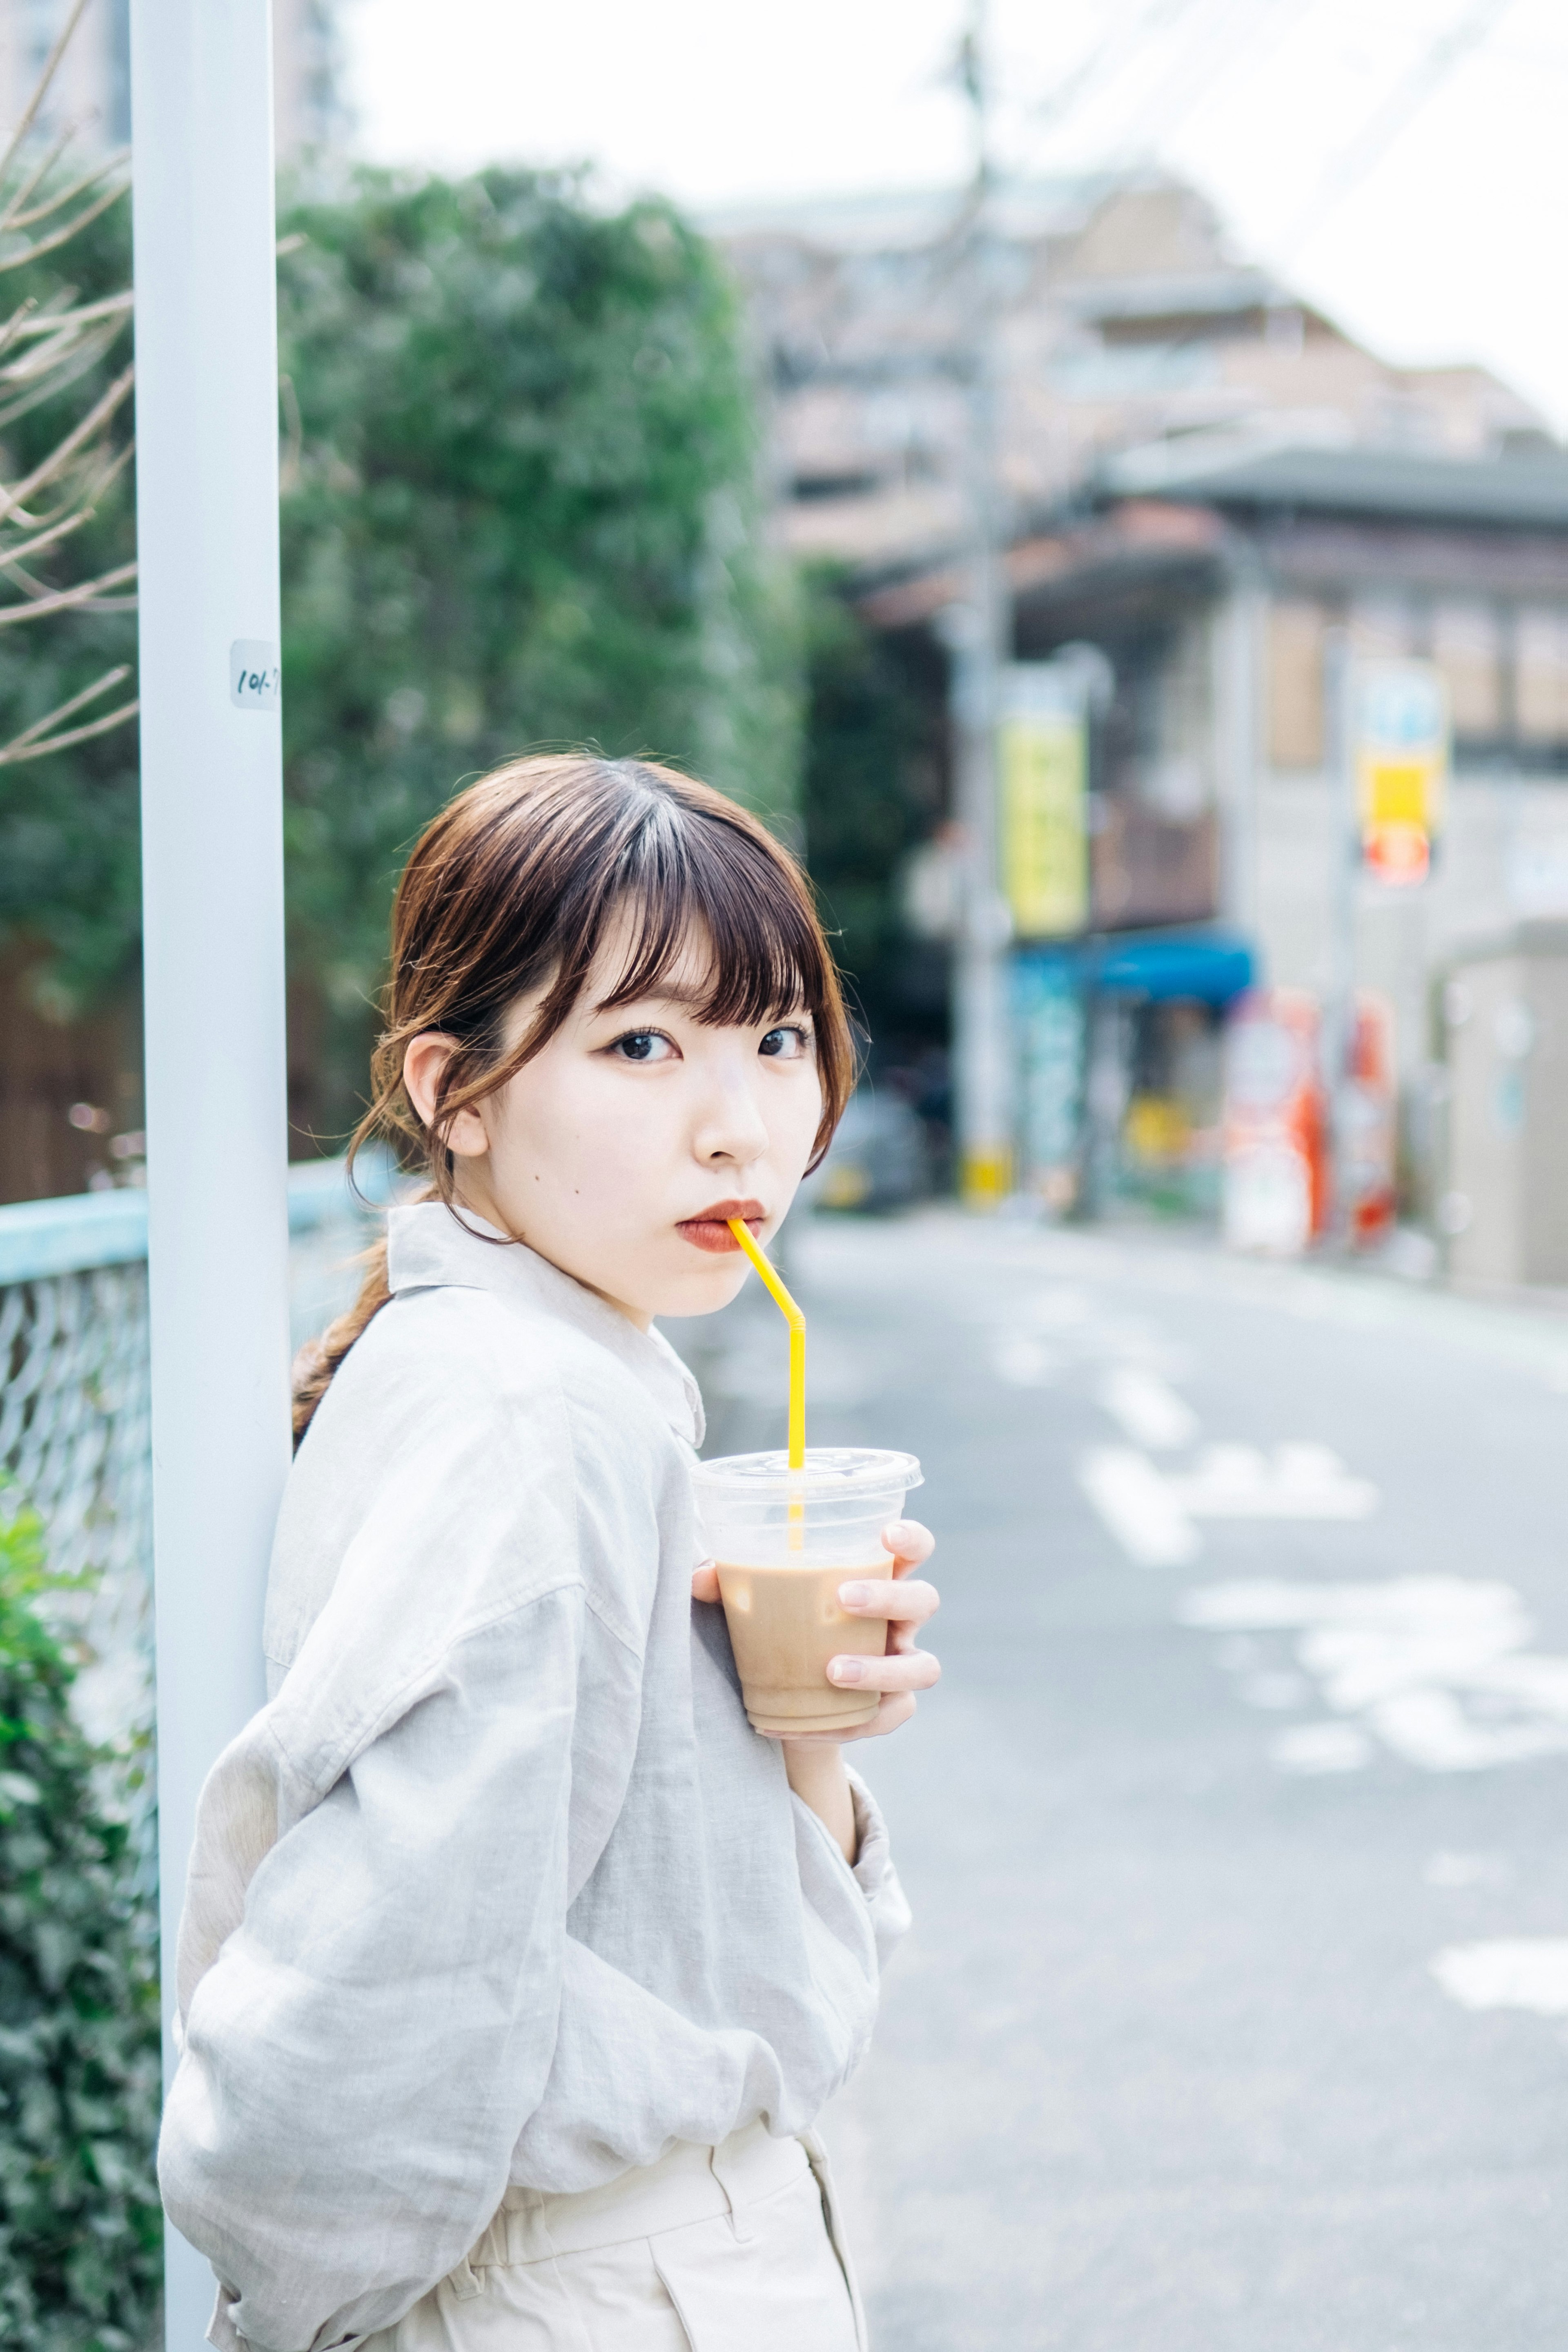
<point x="728" y="2249"/>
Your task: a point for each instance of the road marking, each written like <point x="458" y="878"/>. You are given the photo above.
<point x="1148" y="1408"/>
<point x="1466" y="1870"/>
<point x="1026" y="1363"/>
<point x="1061" y="1308"/>
<point x="1320" y="1748"/>
<point x="1435" y="1667"/>
<point x="1276" y="1690"/>
<point x="1514" y="1973"/>
<point x="1151" y="1512"/>
<point x="1299" y="1482"/>
<point x="1139" y="1507"/>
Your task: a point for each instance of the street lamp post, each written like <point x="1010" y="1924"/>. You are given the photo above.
<point x="206" y="415"/>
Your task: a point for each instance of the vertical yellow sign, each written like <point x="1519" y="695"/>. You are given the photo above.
<point x="1044" y="761"/>
<point x="1402" y="767"/>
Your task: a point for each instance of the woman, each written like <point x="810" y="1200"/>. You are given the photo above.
<point x="516" y="1967"/>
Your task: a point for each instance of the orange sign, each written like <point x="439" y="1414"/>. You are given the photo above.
<point x="1276" y="1158"/>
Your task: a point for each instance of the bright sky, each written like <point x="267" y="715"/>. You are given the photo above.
<point x="1402" y="160"/>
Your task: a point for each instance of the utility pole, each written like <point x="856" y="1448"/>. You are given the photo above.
<point x="980" y="641"/>
<point x="212" y="854"/>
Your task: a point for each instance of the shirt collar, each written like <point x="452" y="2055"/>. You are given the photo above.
<point x="430" y="1247"/>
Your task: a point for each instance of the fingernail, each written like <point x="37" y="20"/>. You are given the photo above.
<point x="854" y="1596"/>
<point x="896" y="1534"/>
<point x="846" y="1670"/>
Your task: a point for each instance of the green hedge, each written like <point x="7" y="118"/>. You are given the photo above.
<point x="81" y="2230"/>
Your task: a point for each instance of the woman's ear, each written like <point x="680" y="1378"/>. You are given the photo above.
<point x="423" y="1065"/>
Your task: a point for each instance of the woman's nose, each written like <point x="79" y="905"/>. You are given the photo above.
<point x="732" y="1127"/>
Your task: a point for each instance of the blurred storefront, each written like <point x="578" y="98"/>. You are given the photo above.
<point x="1213" y="796"/>
<point x="1120" y="1077"/>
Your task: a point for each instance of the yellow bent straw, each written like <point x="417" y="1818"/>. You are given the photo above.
<point x="796" y="1322"/>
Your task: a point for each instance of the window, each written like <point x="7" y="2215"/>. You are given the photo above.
<point x="1296" y="686"/>
<point x="1466" y="649"/>
<point x="1541" y="674"/>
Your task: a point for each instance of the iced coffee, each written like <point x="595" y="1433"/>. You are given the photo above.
<point x="784" y="1541"/>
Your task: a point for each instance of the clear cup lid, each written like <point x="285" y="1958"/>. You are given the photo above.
<point x="841" y="1471"/>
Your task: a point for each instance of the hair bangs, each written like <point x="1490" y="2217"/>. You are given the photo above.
<point x="690" y="877"/>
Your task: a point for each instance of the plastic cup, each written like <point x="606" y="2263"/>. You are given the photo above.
<point x="784" y="1541"/>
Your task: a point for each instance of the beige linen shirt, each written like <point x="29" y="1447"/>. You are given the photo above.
<point x="499" y="1887"/>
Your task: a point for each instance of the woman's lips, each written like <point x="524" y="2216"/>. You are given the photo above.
<point x="710" y="1230"/>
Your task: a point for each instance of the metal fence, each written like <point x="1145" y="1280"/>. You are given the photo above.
<point x="74" y="1407"/>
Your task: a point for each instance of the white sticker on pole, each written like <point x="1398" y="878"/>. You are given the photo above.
<point x="254" y="675"/>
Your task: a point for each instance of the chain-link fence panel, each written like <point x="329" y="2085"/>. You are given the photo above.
<point x="74" y="1442"/>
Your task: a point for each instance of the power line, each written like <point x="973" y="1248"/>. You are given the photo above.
<point x="1157" y="17"/>
<point x="1218" y="42"/>
<point x="1360" y="155"/>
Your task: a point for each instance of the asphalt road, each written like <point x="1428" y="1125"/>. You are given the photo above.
<point x="1235" y="2015"/>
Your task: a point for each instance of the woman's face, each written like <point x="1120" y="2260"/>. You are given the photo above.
<point x="618" y="1152"/>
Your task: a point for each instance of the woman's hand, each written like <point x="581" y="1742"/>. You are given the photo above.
<point x="905" y="1602"/>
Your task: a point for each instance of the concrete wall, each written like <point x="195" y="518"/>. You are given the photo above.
<point x="1507" y="1016"/>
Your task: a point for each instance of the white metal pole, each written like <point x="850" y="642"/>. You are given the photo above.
<point x="206" y="415"/>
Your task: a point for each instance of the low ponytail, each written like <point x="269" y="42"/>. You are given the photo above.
<point x="319" y="1358"/>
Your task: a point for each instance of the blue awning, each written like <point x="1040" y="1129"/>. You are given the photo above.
<point x="1206" y="967"/>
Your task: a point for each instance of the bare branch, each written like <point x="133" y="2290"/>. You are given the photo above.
<point x="10" y="756"/>
<point x="63" y="372"/>
<point x="116" y="466"/>
<point x="68" y="710"/>
<point x="64" y="236"/>
<point x="24" y="579"/>
<point x="46" y="162"/>
<point x="43" y="539"/>
<point x="78" y="498"/>
<point x="54" y="346"/>
<point x="57" y="347"/>
<point x="49" y="353"/>
<point x="87" y="498"/>
<point x="10" y="220"/>
<point x="41" y="88"/>
<point x="23" y="324"/>
<point x="65" y="599"/>
<point x="61" y="455"/>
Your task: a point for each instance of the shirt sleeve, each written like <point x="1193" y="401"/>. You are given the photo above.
<point x="362" y="2050"/>
<point x="875" y="1874"/>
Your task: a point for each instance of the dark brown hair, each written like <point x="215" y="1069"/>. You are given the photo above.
<point x="513" y="887"/>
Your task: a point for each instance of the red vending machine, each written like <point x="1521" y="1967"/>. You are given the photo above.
<point x="1276" y="1190"/>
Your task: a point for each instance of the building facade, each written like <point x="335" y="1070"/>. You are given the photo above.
<point x="1206" y="481"/>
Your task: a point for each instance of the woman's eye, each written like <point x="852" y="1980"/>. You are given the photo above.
<point x="643" y="1045"/>
<point x="786" y="1044"/>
